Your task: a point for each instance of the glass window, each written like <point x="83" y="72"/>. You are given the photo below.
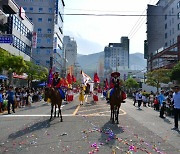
<point x="38" y="41"/>
<point x="165" y="16"/>
<point x="178" y="4"/>
<point x="165" y="35"/>
<point x="40" y="9"/>
<point x="37" y="62"/>
<point x="179" y="26"/>
<point x="178" y="15"/>
<point x="39" y="30"/>
<point x="31" y="9"/>
<point x="47" y="62"/>
<point x="50" y="10"/>
<point x="39" y="19"/>
<point x="25" y="8"/>
<point x="49" y="20"/>
<point x="165" y="26"/>
<point x="31" y="19"/>
<point x="48" y="40"/>
<point x="37" y="52"/>
<point x="49" y="30"/>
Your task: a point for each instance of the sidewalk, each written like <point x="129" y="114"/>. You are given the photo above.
<point x="151" y="120"/>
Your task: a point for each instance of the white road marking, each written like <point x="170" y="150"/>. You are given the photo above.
<point x="92" y="109"/>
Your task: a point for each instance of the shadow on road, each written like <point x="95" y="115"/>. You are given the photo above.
<point x="35" y="127"/>
<point x="109" y="133"/>
<point x="167" y="121"/>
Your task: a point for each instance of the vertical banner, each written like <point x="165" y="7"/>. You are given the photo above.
<point x="34" y="40"/>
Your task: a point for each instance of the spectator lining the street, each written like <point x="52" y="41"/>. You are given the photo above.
<point x="139" y="99"/>
<point x="1" y="99"/>
<point x="176" y="100"/>
<point x="161" y="99"/>
<point x="11" y="99"/>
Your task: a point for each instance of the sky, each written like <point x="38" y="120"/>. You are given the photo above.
<point x="93" y="33"/>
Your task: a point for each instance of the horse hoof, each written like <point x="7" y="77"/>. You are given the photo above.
<point x="61" y="120"/>
<point x="118" y="122"/>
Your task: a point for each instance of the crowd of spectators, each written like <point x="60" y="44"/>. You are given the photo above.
<point x="18" y="97"/>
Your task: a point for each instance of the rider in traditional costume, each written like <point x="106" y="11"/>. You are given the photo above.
<point x="57" y="83"/>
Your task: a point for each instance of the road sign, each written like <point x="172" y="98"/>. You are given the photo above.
<point x="6" y="39"/>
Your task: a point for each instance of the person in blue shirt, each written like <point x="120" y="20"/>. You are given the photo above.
<point x="11" y="99"/>
<point x="161" y="99"/>
<point x="176" y="100"/>
<point x="1" y="99"/>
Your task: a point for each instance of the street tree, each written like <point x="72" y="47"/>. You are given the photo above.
<point x="131" y="84"/>
<point x="175" y="73"/>
<point x="156" y="77"/>
<point x="36" y="72"/>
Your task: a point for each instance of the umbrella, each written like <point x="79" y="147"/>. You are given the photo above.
<point x="3" y="77"/>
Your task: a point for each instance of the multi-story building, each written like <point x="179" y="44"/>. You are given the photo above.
<point x="116" y="56"/>
<point x="16" y="28"/>
<point x="48" y="24"/>
<point x="70" y="51"/>
<point x="162" y="49"/>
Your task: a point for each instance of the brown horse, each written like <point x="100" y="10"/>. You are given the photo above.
<point x="115" y="103"/>
<point x="56" y="99"/>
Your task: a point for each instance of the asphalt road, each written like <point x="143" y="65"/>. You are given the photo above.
<point x="87" y="129"/>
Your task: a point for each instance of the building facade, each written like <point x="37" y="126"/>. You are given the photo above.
<point x="15" y="26"/>
<point x="116" y="56"/>
<point x="48" y="24"/>
<point x="70" y="51"/>
<point x="163" y="29"/>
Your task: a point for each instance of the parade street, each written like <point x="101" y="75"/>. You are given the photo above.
<point x="87" y="129"/>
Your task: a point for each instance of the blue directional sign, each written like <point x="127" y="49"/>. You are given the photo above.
<point x="6" y="39"/>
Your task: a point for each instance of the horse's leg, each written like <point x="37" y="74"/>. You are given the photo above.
<point x="118" y="115"/>
<point x="55" y="111"/>
<point x="60" y="113"/>
<point x="113" y="114"/>
<point x="51" y="110"/>
<point x="59" y="107"/>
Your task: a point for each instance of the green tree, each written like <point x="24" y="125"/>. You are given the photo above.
<point x="131" y="83"/>
<point x="156" y="77"/>
<point x="175" y="74"/>
<point x="36" y="72"/>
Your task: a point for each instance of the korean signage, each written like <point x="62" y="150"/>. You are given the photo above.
<point x="22" y="13"/>
<point x="34" y="40"/>
<point x="6" y="39"/>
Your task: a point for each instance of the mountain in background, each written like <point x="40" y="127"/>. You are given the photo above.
<point x="89" y="63"/>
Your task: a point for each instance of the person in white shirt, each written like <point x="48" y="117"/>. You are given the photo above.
<point x="176" y="100"/>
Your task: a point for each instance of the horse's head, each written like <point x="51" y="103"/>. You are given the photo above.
<point x="47" y="93"/>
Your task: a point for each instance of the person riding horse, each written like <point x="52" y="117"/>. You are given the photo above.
<point x="116" y="97"/>
<point x="55" y="83"/>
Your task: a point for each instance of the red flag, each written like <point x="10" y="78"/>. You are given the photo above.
<point x="69" y="78"/>
<point x="73" y="78"/>
<point x="96" y="78"/>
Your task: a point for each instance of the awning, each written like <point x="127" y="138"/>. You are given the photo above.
<point x="23" y="76"/>
<point x="3" y="77"/>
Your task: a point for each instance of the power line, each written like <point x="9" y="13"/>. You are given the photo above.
<point x="135" y="29"/>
